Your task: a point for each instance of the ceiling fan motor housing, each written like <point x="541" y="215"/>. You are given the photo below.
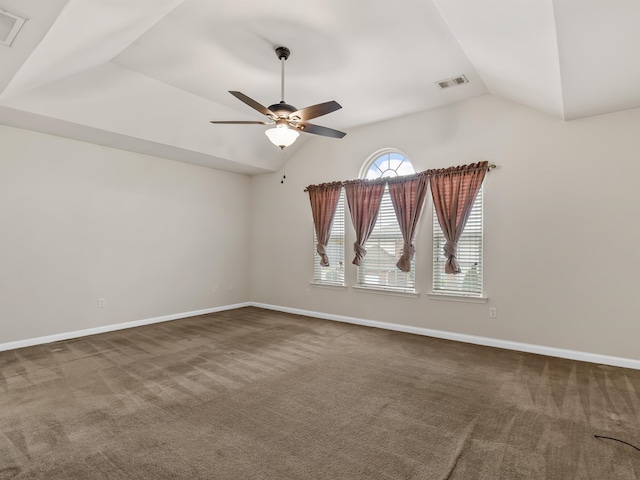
<point x="282" y="110"/>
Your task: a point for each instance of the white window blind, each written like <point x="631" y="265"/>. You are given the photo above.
<point x="384" y="246"/>
<point x="469" y="281"/>
<point x="334" y="273"/>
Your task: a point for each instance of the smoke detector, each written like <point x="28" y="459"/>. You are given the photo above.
<point x="452" y="82"/>
<point x="10" y="25"/>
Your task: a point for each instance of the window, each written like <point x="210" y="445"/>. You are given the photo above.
<point x="384" y="246"/>
<point x="469" y="281"/>
<point x="334" y="273"/>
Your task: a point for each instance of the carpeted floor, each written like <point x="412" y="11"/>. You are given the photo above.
<point x="256" y="394"/>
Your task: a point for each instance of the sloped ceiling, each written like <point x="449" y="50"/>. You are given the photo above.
<point x="148" y="75"/>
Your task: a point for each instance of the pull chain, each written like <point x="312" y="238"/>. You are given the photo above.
<point x="284" y="171"/>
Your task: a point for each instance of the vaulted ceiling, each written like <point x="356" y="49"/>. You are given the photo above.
<point x="148" y="75"/>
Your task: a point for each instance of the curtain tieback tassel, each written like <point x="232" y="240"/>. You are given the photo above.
<point x="322" y="251"/>
<point x="408" y="251"/>
<point x="450" y="251"/>
<point x="450" y="248"/>
<point x="360" y="253"/>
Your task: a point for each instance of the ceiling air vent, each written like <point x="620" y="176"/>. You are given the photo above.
<point x="10" y="25"/>
<point x="452" y="82"/>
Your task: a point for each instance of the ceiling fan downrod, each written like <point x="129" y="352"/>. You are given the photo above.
<point x="282" y="53"/>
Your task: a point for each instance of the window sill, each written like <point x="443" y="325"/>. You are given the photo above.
<point x="450" y="297"/>
<point x="385" y="291"/>
<point x="331" y="286"/>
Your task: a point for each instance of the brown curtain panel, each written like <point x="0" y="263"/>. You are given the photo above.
<point x="324" y="201"/>
<point x="407" y="196"/>
<point x="363" y="197"/>
<point x="454" y="190"/>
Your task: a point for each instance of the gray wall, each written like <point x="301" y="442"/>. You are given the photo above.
<point x="79" y="222"/>
<point x="561" y="226"/>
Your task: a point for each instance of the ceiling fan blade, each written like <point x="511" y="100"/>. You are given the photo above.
<point x="318" y="130"/>
<point x="317" y="110"/>
<point x="241" y="122"/>
<point x="252" y="103"/>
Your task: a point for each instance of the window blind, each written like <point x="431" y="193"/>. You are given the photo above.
<point x="469" y="256"/>
<point x="334" y="273"/>
<point x="384" y="248"/>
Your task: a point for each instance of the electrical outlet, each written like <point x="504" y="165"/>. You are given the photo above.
<point x="215" y="288"/>
<point x="230" y="286"/>
<point x="493" y="312"/>
<point x="101" y="303"/>
<point x="308" y="292"/>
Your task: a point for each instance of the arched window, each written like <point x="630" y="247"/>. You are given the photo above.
<point x="384" y="246"/>
<point x="386" y="163"/>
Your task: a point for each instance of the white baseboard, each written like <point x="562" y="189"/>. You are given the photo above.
<point x="117" y="326"/>
<point x="461" y="337"/>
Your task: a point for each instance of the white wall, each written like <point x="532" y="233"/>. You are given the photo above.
<point x="79" y="222"/>
<point x="561" y="226"/>
<point x="153" y="237"/>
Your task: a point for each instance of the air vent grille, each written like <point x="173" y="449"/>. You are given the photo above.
<point x="452" y="82"/>
<point x="10" y="25"/>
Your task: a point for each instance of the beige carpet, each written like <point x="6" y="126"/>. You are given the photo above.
<point x="255" y="394"/>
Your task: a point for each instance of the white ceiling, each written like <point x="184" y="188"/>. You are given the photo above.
<point x="148" y="75"/>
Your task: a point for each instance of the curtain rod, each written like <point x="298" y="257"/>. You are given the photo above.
<point x="490" y="167"/>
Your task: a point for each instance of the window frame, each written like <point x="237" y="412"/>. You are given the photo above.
<point x="386" y="209"/>
<point x="438" y="264"/>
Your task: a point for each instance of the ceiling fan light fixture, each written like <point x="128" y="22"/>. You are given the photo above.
<point x="282" y="136"/>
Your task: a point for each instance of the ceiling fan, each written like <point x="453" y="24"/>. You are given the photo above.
<point x="288" y="120"/>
